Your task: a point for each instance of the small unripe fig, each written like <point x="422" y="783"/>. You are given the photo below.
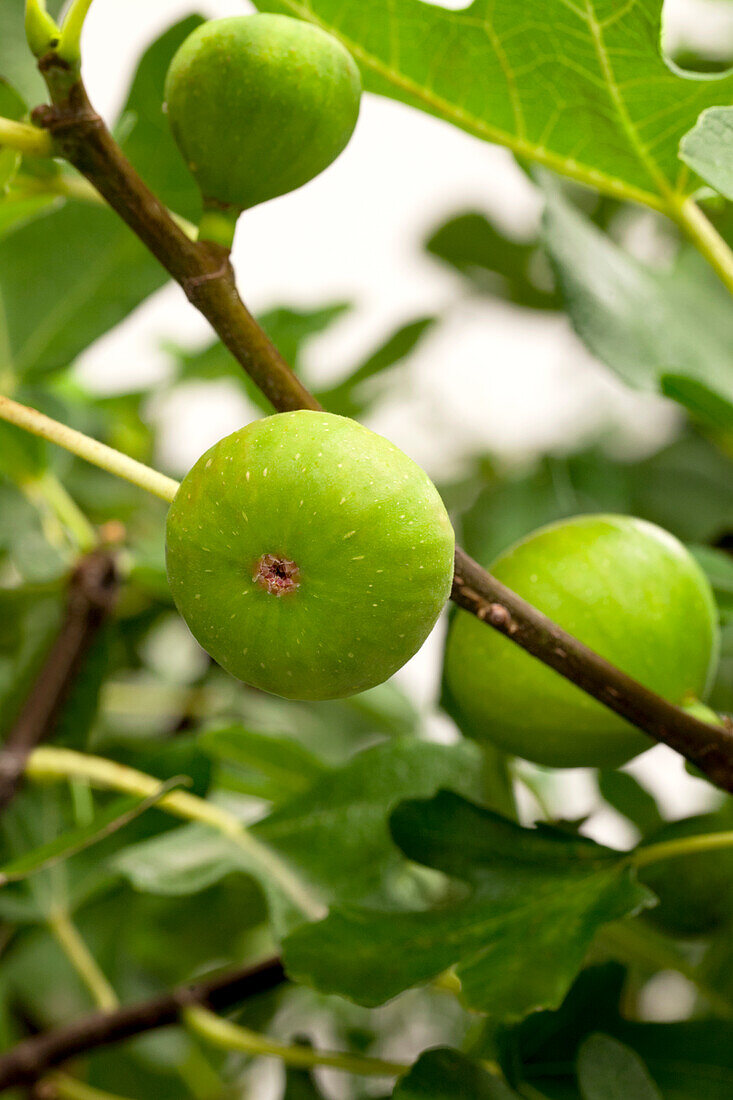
<point x="626" y="588"/>
<point x="259" y="104"/>
<point x="309" y="556"/>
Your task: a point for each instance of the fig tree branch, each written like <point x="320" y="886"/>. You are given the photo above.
<point x="91" y="597"/>
<point x="709" y="747"/>
<point x="202" y="269"/>
<point x="31" y="1059"/>
<point x="204" y="272"/>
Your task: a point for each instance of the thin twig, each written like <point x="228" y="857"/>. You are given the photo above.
<point x="91" y="598"/>
<point x="29" y="1060"/>
<point x="91" y="450"/>
<point x="50" y="763"/>
<point x="67" y="935"/>
<point x="229" y="1036"/>
<point x="25" y="139"/>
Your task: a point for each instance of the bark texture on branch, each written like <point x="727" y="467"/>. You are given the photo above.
<point x="91" y="597"/>
<point x="201" y="268"/>
<point x="204" y="272"/>
<point x="31" y="1059"/>
<point x="710" y="748"/>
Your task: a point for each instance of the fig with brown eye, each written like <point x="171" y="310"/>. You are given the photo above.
<point x="277" y="575"/>
<point x="309" y="556"/>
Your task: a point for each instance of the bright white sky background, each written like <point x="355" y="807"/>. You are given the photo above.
<point x="492" y="377"/>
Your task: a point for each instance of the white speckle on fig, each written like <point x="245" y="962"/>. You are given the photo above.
<point x="305" y="599"/>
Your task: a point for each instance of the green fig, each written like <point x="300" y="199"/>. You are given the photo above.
<point x="309" y="556"/>
<point x="259" y="105"/>
<point x="626" y="588"/>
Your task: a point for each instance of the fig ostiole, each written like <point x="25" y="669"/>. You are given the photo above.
<point x="309" y="556"/>
<point x="258" y="105"/>
<point x="626" y="588"/>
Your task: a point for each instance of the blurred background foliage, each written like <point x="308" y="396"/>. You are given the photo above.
<point x="154" y="916"/>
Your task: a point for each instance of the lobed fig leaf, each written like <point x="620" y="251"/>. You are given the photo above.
<point x="309" y="556"/>
<point x="626" y="588"/>
<point x="259" y="105"/>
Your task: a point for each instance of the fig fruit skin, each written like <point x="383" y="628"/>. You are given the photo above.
<point x="309" y="556"/>
<point x="259" y="105"/>
<point x="626" y="588"/>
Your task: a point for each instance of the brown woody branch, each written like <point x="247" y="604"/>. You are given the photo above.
<point x="91" y="597"/>
<point x="31" y="1059"/>
<point x="202" y="269"/>
<point x="205" y="274"/>
<point x="710" y="748"/>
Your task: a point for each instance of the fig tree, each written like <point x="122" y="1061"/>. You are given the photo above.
<point x="309" y="556"/>
<point x="258" y="105"/>
<point x="626" y="588"/>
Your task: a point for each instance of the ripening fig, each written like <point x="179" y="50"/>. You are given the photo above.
<point x="309" y="556"/>
<point x="259" y="105"/>
<point x="626" y="588"/>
